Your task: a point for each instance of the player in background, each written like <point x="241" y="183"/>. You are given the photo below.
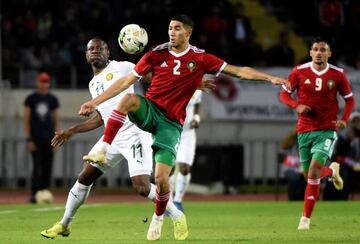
<point x="317" y="84"/>
<point x="186" y="151"/>
<point x="130" y="143"/>
<point x="177" y="70"/>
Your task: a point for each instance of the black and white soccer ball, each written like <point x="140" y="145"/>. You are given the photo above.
<point x="132" y="39"/>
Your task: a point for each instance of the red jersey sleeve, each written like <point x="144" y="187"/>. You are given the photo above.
<point x="213" y="64"/>
<point x="345" y="88"/>
<point x="144" y="66"/>
<point x="346" y="92"/>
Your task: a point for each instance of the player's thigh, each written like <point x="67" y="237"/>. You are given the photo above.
<point x="187" y="146"/>
<point x="136" y="148"/>
<point x="304" y="144"/>
<point x="113" y="156"/>
<point x="166" y="138"/>
<point x="323" y="145"/>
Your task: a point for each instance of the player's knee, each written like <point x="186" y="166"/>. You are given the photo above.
<point x="162" y="182"/>
<point x="85" y="179"/>
<point x="128" y="103"/>
<point x="314" y="171"/>
<point x="161" y="178"/>
<point x="184" y="169"/>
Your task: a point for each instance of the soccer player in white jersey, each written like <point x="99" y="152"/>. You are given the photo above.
<point x="132" y="144"/>
<point x="186" y="150"/>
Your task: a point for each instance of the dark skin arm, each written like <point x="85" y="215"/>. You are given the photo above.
<point x="64" y="135"/>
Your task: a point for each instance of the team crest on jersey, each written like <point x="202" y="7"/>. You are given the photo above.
<point x="330" y="84"/>
<point x="191" y="65"/>
<point x="109" y="76"/>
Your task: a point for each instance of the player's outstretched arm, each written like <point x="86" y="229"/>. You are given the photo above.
<point x="117" y="87"/>
<point x="247" y="73"/>
<point x="64" y="135"/>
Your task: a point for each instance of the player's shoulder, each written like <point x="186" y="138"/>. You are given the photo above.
<point x="121" y="64"/>
<point x="161" y="47"/>
<point x="196" y="49"/>
<point x="336" y="68"/>
<point x="120" y="67"/>
<point x="303" y="66"/>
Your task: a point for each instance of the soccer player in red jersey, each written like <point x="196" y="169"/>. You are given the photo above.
<point x="317" y="84"/>
<point x="177" y="70"/>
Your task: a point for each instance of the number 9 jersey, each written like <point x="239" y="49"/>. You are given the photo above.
<point x="318" y="90"/>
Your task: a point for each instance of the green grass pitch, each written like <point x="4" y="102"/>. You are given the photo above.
<point x="209" y="222"/>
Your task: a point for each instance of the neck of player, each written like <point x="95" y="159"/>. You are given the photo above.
<point x="180" y="48"/>
<point x="319" y="67"/>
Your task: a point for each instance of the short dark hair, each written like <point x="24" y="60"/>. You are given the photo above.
<point x="319" y="39"/>
<point x="97" y="38"/>
<point x="185" y="19"/>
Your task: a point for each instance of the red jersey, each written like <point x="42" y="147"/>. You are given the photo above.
<point x="176" y="76"/>
<point x="318" y="90"/>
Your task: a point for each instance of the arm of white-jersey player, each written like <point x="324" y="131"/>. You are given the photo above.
<point x="64" y="135"/>
<point x="117" y="87"/>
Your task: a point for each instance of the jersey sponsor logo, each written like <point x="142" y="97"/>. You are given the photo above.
<point x="330" y="84"/>
<point x="191" y="65"/>
<point x="307" y="81"/>
<point x="109" y="76"/>
<point x="164" y="65"/>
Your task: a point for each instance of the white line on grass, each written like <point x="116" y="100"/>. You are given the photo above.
<point x="8" y="211"/>
<point x="48" y="209"/>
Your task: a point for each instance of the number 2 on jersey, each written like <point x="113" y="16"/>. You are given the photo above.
<point x="177" y="66"/>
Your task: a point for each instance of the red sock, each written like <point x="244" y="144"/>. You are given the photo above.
<point x="161" y="202"/>
<point x="312" y="193"/>
<point x="113" y="125"/>
<point x="326" y="172"/>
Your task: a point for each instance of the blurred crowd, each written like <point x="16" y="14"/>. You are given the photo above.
<point x="52" y="35"/>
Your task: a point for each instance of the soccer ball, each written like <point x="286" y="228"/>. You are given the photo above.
<point x="132" y="38"/>
<point x="44" y="196"/>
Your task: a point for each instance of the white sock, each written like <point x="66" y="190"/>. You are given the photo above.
<point x="77" y="196"/>
<point x="170" y="207"/>
<point x="182" y="183"/>
<point x="151" y="195"/>
<point x="172" y="183"/>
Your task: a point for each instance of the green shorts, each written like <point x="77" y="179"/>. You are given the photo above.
<point x="166" y="133"/>
<point x="316" y="145"/>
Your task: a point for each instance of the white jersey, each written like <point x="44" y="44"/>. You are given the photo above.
<point x="102" y="81"/>
<point x="130" y="143"/>
<point x="195" y="99"/>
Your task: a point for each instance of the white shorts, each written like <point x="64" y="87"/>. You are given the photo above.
<point x="187" y="146"/>
<point x="132" y="144"/>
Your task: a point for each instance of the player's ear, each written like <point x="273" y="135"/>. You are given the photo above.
<point x="329" y="53"/>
